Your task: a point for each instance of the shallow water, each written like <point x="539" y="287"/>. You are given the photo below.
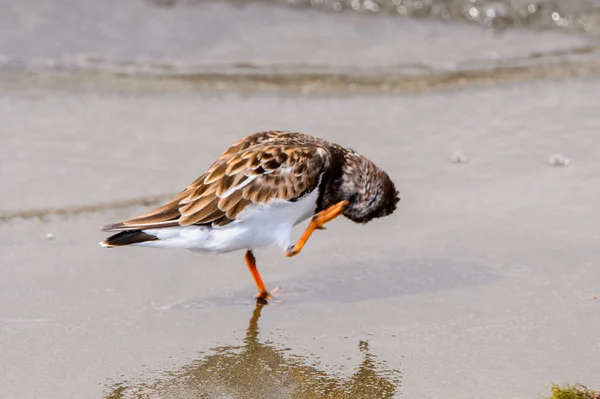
<point x="131" y="44"/>
<point x="582" y="16"/>
<point x="260" y="369"/>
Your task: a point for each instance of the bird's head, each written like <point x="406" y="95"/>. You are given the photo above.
<point x="369" y="190"/>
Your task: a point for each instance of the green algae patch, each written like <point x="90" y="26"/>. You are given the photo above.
<point x="576" y="391"/>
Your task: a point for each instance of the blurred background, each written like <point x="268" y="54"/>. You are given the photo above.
<point x="484" y="283"/>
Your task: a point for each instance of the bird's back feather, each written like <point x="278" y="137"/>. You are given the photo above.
<point x="256" y="170"/>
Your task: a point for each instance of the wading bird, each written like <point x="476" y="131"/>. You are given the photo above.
<point x="255" y="193"/>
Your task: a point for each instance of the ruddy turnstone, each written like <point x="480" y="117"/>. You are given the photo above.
<point x="256" y="191"/>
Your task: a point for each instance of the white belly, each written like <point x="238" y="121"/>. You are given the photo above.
<point x="255" y="227"/>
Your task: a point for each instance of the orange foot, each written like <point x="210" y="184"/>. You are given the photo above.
<point x="265" y="296"/>
<point x="317" y="223"/>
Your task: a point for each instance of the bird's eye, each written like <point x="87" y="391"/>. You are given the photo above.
<point x="353" y="199"/>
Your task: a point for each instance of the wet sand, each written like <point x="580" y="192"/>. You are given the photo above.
<point x="484" y="283"/>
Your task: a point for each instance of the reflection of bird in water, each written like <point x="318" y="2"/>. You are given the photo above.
<point x="254" y="194"/>
<point x="259" y="370"/>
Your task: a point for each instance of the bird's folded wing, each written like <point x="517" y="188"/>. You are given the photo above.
<point x="254" y="171"/>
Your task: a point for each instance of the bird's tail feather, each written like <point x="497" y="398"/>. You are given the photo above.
<point x="127" y="237"/>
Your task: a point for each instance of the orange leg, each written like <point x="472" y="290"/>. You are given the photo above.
<point x="251" y="263"/>
<point x="317" y="223"/>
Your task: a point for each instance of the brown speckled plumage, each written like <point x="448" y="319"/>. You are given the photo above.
<point x="275" y="165"/>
